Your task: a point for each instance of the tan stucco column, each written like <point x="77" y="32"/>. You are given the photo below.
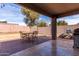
<point x="53" y="28"/>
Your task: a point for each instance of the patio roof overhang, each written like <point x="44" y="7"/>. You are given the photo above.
<point x="54" y="9"/>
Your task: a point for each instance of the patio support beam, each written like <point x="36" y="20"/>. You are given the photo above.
<point x="53" y="28"/>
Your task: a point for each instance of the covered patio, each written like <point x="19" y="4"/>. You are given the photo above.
<point x="50" y="48"/>
<point x="47" y="46"/>
<point x="55" y="46"/>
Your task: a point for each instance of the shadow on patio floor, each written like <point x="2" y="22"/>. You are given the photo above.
<point x="10" y="47"/>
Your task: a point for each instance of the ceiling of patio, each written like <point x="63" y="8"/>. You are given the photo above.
<point x="54" y="9"/>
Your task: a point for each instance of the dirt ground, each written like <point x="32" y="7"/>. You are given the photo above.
<point x="14" y="36"/>
<point x="9" y="36"/>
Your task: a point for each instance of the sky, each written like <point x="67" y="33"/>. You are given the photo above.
<point x="12" y="14"/>
<point x="71" y="20"/>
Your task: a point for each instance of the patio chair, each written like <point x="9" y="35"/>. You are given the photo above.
<point x="35" y="35"/>
<point x="23" y="35"/>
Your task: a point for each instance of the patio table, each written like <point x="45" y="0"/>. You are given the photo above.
<point x="30" y="36"/>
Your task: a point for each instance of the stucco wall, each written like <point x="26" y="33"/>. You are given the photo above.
<point x="16" y="28"/>
<point x="13" y="28"/>
<point x="46" y="31"/>
<point x="42" y="30"/>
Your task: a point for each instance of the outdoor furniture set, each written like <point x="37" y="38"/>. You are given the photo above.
<point x="29" y="36"/>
